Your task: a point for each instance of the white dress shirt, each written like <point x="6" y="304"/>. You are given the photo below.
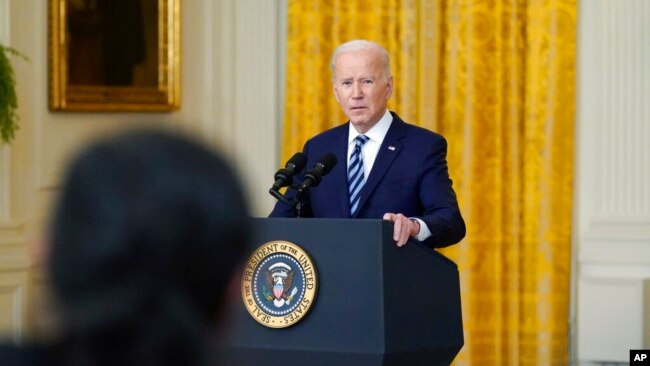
<point x="369" y="153"/>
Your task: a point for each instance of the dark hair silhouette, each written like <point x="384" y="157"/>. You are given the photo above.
<point x="145" y="236"/>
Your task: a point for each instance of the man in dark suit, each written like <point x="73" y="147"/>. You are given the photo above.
<point x="386" y="168"/>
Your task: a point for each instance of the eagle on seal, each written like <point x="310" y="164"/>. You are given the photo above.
<point x="280" y="277"/>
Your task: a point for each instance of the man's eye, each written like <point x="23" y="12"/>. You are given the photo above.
<point x="346" y="83"/>
<point x="367" y="82"/>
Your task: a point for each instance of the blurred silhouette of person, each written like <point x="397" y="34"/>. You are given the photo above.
<point x="144" y="239"/>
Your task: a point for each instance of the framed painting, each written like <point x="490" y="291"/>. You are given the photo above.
<point x="114" y="55"/>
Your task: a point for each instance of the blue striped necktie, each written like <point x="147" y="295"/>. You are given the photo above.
<point x="355" y="173"/>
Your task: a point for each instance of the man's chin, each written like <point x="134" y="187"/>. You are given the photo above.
<point x="358" y="118"/>
<point x="358" y="122"/>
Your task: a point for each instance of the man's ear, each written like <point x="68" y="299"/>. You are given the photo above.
<point x="336" y="94"/>
<point x="389" y="86"/>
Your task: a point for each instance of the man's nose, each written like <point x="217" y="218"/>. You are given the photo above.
<point x="357" y="91"/>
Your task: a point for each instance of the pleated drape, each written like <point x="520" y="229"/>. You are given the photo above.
<point x="496" y="78"/>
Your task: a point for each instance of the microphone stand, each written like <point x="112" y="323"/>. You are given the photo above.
<point x="298" y="203"/>
<point x="278" y="196"/>
<point x="311" y="179"/>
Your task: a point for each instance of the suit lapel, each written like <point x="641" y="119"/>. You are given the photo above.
<point x="388" y="151"/>
<point x="342" y="176"/>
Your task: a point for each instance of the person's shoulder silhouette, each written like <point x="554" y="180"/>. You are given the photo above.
<point x="144" y="238"/>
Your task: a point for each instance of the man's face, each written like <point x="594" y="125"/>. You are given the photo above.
<point x="361" y="88"/>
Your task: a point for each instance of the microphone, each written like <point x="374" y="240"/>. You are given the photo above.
<point x="284" y="176"/>
<point x="323" y="166"/>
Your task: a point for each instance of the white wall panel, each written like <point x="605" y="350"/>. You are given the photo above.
<point x="609" y="313"/>
<point x="614" y="123"/>
<point x="622" y="120"/>
<point x="247" y="63"/>
<point x="612" y="177"/>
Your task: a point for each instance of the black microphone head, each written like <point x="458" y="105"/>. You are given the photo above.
<point x="297" y="162"/>
<point x="284" y="176"/>
<point x="323" y="166"/>
<point x="326" y="162"/>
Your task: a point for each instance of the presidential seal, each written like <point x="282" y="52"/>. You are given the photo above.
<point x="279" y="284"/>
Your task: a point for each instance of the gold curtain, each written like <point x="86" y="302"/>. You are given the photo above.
<point x="496" y="78"/>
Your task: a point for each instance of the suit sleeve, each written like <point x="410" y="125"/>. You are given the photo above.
<point x="281" y="209"/>
<point x="440" y="206"/>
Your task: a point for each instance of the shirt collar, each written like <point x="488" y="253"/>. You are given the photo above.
<point x="377" y="133"/>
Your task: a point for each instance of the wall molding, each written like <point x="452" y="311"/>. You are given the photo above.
<point x="610" y="315"/>
<point x="13" y="297"/>
<point x="612" y="194"/>
<point x="613" y="198"/>
<point x="13" y="255"/>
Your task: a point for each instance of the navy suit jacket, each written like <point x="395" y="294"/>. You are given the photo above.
<point x="409" y="176"/>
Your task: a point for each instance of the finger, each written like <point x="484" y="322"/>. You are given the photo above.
<point x="389" y="216"/>
<point x="410" y="229"/>
<point x="404" y="229"/>
<point x="404" y="233"/>
<point x="397" y="229"/>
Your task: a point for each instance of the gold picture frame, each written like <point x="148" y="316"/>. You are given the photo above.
<point x="114" y="55"/>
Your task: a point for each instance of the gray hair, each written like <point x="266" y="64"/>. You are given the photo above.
<point x="359" y="45"/>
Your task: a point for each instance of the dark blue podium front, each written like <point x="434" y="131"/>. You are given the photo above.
<point x="377" y="304"/>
